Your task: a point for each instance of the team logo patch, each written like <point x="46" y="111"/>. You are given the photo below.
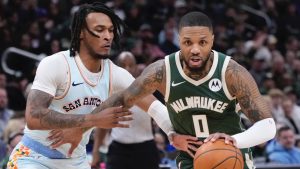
<point x="215" y="85"/>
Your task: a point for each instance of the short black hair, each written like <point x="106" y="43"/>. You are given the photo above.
<point x="195" y="19"/>
<point x="282" y="129"/>
<point x="78" y="22"/>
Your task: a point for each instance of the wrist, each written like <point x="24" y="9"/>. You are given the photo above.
<point x="171" y="135"/>
<point x="89" y="121"/>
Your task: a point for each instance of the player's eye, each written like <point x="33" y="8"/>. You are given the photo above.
<point x="111" y="30"/>
<point x="203" y="42"/>
<point x="188" y="43"/>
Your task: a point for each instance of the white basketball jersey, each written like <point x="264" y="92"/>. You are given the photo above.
<point x="81" y="97"/>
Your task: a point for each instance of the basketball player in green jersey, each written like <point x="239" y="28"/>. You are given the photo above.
<point x="201" y="88"/>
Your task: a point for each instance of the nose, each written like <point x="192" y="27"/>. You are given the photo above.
<point x="195" y="50"/>
<point x="107" y="35"/>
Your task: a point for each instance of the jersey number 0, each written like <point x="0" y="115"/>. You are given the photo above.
<point x="200" y="126"/>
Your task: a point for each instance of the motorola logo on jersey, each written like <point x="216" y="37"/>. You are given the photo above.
<point x="215" y="85"/>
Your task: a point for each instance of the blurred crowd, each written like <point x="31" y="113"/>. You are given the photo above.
<point x="262" y="35"/>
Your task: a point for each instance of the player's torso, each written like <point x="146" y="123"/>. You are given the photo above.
<point x="80" y="96"/>
<point x="201" y="107"/>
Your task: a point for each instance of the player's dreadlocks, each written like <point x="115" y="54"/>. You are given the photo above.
<point x="79" y="21"/>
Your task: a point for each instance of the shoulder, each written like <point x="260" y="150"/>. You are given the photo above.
<point x="115" y="69"/>
<point x="157" y="65"/>
<point x="120" y="77"/>
<point x="55" y="59"/>
<point x="235" y="71"/>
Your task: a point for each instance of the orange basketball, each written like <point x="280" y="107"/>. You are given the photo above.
<point x="218" y="155"/>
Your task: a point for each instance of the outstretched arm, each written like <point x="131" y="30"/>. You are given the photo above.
<point x="39" y="116"/>
<point x="242" y="85"/>
<point x="140" y="91"/>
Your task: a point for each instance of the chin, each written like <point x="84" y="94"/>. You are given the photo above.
<point x="102" y="56"/>
<point x="196" y="68"/>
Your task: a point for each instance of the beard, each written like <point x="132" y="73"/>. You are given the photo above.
<point x="196" y="69"/>
<point x="101" y="56"/>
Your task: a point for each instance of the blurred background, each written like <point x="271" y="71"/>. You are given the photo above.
<point x="262" y="35"/>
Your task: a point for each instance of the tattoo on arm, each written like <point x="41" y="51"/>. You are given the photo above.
<point x="38" y="103"/>
<point x="145" y="84"/>
<point x="241" y="84"/>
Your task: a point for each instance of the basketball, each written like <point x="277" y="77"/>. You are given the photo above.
<point x="218" y="155"/>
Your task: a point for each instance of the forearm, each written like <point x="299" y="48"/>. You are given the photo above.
<point x="40" y="117"/>
<point x="113" y="101"/>
<point x="160" y="114"/>
<point x="46" y="119"/>
<point x="259" y="133"/>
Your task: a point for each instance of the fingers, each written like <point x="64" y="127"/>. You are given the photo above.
<point x="192" y="138"/>
<point x="199" y="143"/>
<point x="227" y="138"/>
<point x="230" y="140"/>
<point x="127" y="118"/>
<point x="122" y="114"/>
<point x="208" y="138"/>
<point x="120" y="125"/>
<point x="214" y="137"/>
<point x="57" y="143"/>
<point x="54" y="134"/>
<point x="192" y="147"/>
<point x="122" y="119"/>
<point x="73" y="146"/>
<point x="217" y="136"/>
<point x="190" y="153"/>
<point x="120" y="111"/>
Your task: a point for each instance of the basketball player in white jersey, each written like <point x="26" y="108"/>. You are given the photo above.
<point x="68" y="86"/>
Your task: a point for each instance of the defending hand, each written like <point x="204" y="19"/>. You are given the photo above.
<point x="60" y="137"/>
<point x="111" y="117"/>
<point x="186" y="143"/>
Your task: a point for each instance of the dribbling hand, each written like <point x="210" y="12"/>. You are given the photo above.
<point x="227" y="138"/>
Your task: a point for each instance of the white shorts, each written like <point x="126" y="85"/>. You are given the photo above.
<point x="23" y="157"/>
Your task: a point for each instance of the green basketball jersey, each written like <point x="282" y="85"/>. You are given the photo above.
<point x="201" y="107"/>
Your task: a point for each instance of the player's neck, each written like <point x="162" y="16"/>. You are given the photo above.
<point x="91" y="63"/>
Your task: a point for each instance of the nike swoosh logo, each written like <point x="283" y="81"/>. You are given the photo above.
<point x="176" y="84"/>
<point x="76" y="84"/>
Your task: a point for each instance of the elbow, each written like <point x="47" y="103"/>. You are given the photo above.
<point x="31" y="122"/>
<point x="272" y="129"/>
<point x="31" y="125"/>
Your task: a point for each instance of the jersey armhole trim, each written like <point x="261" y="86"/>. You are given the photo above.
<point x="68" y="83"/>
<point x="168" y="78"/>
<point x="110" y="80"/>
<point x="224" y="68"/>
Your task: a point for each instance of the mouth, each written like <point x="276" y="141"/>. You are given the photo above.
<point x="106" y="46"/>
<point x="195" y="62"/>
